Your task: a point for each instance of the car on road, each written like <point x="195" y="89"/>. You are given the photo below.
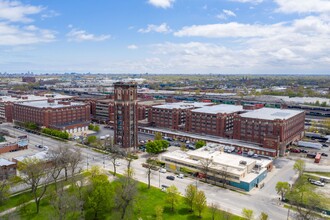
<point x="164" y="187"/>
<point x="170" y="177"/>
<point x="324" y="154"/>
<point x="325" y="145"/>
<point x="294" y="150"/>
<point x="117" y="163"/>
<point x="180" y="176"/>
<point x="162" y="170"/>
<point x="318" y="183"/>
<point x="38" y="146"/>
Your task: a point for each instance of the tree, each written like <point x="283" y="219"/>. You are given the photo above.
<point x="326" y="124"/>
<point x="151" y="164"/>
<point x="91" y="139"/>
<point x="96" y="128"/>
<point x="247" y="214"/>
<point x="224" y="174"/>
<point x="200" y="202"/>
<point x="214" y="208"/>
<point x="172" y="196"/>
<point x="299" y="166"/>
<point x="157" y="146"/>
<point x="114" y="156"/>
<point x="263" y="216"/>
<point x="206" y="164"/>
<point x="282" y="188"/>
<point x="35" y="175"/>
<point x="75" y="158"/>
<point x="99" y="193"/>
<point x="190" y="195"/>
<point x="125" y="195"/>
<point x="4" y="191"/>
<point x="158" y="136"/>
<point x="159" y="212"/>
<point x="200" y="144"/>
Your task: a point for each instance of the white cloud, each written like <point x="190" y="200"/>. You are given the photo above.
<point x="163" y="28"/>
<point x="161" y="3"/>
<point x="225" y="14"/>
<point x="303" y="6"/>
<point x="50" y="14"/>
<point x="15" y="11"/>
<point x="13" y="35"/>
<point x="248" y="1"/>
<point x="132" y="47"/>
<point x="81" y="35"/>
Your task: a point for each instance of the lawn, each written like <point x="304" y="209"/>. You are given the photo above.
<point x="325" y="174"/>
<point x="145" y="205"/>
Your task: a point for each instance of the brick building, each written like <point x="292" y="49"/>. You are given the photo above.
<point x="7" y="169"/>
<point x="29" y="79"/>
<point x="125" y="115"/>
<point x="62" y="115"/>
<point x="7" y="103"/>
<point x="172" y="115"/>
<point x="145" y="106"/>
<point x="273" y="128"/>
<point x="212" y="120"/>
<point x="104" y="110"/>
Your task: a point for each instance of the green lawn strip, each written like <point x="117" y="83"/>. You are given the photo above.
<point x="325" y="174"/>
<point x="25" y="197"/>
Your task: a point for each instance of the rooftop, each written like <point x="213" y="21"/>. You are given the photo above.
<point x="183" y="105"/>
<point x="222" y="108"/>
<point x="152" y="102"/>
<point x="4" y="162"/>
<point x="28" y="98"/>
<point x="46" y="104"/>
<point x="271" y="114"/>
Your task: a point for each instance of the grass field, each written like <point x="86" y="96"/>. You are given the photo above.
<point x="145" y="205"/>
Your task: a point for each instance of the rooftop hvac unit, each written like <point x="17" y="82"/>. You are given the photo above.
<point x="243" y="162"/>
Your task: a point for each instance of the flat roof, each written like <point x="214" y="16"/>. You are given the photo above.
<point x="183" y="105"/>
<point x="33" y="98"/>
<point x="271" y="114"/>
<point x="40" y="156"/>
<point x="45" y="104"/>
<point x="215" y="139"/>
<point x="4" y="162"/>
<point x="222" y="108"/>
<point x="152" y="102"/>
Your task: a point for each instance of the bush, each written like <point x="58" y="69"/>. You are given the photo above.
<point x="56" y="133"/>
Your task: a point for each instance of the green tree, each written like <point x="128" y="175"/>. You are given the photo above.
<point x="99" y="193"/>
<point x="90" y="127"/>
<point x="36" y="176"/>
<point x="299" y="166"/>
<point x="190" y="194"/>
<point x="326" y="124"/>
<point x="4" y="190"/>
<point x="200" y="202"/>
<point x="157" y="146"/>
<point x="282" y="188"/>
<point x="200" y="144"/>
<point x="91" y="139"/>
<point x="247" y="214"/>
<point x="172" y="196"/>
<point x="96" y="128"/>
<point x="263" y="216"/>
<point x="159" y="212"/>
<point x="158" y="136"/>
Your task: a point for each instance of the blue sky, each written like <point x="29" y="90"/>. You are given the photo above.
<point x="165" y="36"/>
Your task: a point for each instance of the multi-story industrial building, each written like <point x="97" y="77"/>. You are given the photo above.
<point x="145" y="106"/>
<point x="273" y="128"/>
<point x="125" y="115"/>
<point x="7" y="103"/>
<point x="62" y="115"/>
<point x="104" y="110"/>
<point x="212" y="120"/>
<point x="172" y="115"/>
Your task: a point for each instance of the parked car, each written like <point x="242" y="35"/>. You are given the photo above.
<point x="38" y="145"/>
<point x="324" y="154"/>
<point x="180" y="176"/>
<point x="170" y="177"/>
<point x="318" y="183"/>
<point x="117" y="163"/>
<point x="294" y="150"/>
<point x="164" y="187"/>
<point x="162" y="170"/>
<point x="303" y="151"/>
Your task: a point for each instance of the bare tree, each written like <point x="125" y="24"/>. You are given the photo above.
<point x="151" y="166"/>
<point x="125" y="196"/>
<point x="224" y="174"/>
<point x="34" y="173"/>
<point x="55" y="157"/>
<point x="206" y="164"/>
<point x="74" y="160"/>
<point x="115" y="154"/>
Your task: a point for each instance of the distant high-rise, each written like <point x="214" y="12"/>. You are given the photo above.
<point x="125" y="114"/>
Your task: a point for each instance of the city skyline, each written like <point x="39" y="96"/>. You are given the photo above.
<point x="166" y="36"/>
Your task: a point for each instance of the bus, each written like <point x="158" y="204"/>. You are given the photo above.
<point x="317" y="158"/>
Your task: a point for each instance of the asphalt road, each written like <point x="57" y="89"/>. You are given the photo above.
<point x="259" y="200"/>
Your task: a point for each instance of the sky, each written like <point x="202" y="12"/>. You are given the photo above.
<point x="165" y="36"/>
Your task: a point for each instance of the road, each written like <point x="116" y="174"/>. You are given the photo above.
<point x="264" y="199"/>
